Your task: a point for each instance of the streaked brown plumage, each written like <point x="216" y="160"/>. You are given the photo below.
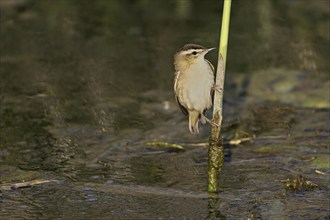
<point x="193" y="83"/>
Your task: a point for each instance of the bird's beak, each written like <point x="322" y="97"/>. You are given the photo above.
<point x="208" y="50"/>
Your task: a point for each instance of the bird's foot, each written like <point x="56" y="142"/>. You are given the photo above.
<point x="217" y="88"/>
<point x="210" y="121"/>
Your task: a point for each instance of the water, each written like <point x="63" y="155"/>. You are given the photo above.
<point x="85" y="84"/>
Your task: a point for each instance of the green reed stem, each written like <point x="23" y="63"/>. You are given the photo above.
<point x="216" y="153"/>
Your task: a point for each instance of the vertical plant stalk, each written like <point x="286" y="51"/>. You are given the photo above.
<point x="216" y="153"/>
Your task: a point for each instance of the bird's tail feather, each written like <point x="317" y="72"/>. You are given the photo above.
<point x="202" y="119"/>
<point x="193" y="122"/>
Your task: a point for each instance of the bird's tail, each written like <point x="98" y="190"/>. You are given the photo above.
<point x="193" y="122"/>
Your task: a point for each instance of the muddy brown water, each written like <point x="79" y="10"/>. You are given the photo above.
<point x="85" y="84"/>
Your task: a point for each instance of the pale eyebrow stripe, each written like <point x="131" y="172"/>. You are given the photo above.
<point x="192" y="50"/>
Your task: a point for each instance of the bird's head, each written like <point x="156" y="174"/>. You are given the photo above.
<point x="189" y="54"/>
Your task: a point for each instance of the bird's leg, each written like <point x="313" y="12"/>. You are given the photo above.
<point x="210" y="121"/>
<point x="217" y="88"/>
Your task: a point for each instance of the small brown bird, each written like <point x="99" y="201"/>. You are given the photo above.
<point x="193" y="83"/>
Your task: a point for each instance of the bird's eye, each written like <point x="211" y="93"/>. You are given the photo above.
<point x="194" y="53"/>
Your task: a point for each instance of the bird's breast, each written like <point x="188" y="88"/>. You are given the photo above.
<point x="194" y="87"/>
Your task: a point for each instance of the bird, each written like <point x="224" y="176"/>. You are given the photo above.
<point x="193" y="83"/>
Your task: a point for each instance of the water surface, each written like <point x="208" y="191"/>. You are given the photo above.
<point x="85" y="84"/>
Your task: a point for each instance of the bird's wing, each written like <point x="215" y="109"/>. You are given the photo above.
<point x="210" y="64"/>
<point x="176" y="78"/>
<point x="212" y="68"/>
<point x="183" y="109"/>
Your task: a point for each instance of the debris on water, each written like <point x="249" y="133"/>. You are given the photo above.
<point x="164" y="144"/>
<point x="241" y="136"/>
<point x="239" y="141"/>
<point x="171" y="147"/>
<point x="319" y="172"/>
<point x="308" y="158"/>
<point x="298" y="184"/>
<point x="13" y="186"/>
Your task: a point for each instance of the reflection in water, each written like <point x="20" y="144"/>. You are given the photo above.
<point x="84" y="84"/>
<point x="214" y="209"/>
